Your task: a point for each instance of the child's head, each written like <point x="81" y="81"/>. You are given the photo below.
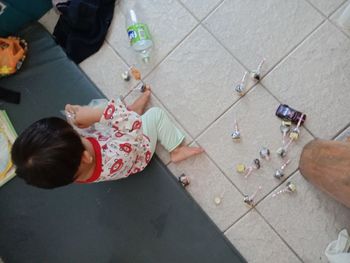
<point x="48" y="153"/>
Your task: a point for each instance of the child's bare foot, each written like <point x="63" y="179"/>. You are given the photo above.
<point x="140" y="103"/>
<point x="183" y="152"/>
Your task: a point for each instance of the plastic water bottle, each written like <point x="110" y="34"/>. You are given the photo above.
<point x="139" y="35"/>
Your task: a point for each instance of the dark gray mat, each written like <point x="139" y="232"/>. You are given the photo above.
<point x="146" y="218"/>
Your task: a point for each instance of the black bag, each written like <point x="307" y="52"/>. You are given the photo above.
<point x="82" y="26"/>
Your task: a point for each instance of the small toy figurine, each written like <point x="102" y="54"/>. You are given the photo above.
<point x="290" y="188"/>
<point x="240" y="88"/>
<point x="284" y="129"/>
<point x="249" y="200"/>
<point x="255" y="166"/>
<point x="125" y="75"/>
<point x="183" y="180"/>
<point x="255" y="74"/>
<point x="240" y="168"/>
<point x="236" y="134"/>
<point x="280" y="172"/>
<point x="134" y="72"/>
<point x="287" y="113"/>
<point x="265" y="153"/>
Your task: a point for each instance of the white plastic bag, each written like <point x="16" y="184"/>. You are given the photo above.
<point x="338" y="250"/>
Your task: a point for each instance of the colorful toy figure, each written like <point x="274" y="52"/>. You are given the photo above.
<point x="280" y="172"/>
<point x="183" y="180"/>
<point x="265" y="153"/>
<point x="249" y="200"/>
<point x="240" y="88"/>
<point x="287" y="113"/>
<point x="290" y="188"/>
<point x="255" y="74"/>
<point x="236" y="134"/>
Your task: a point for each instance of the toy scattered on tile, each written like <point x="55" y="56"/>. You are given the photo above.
<point x="236" y="134"/>
<point x="290" y="188"/>
<point x="285" y="128"/>
<point x="133" y="71"/>
<point x="293" y="136"/>
<point x="240" y="168"/>
<point x="282" y="152"/>
<point x="295" y="132"/>
<point x="265" y="153"/>
<point x="287" y="113"/>
<point x="249" y="200"/>
<point x="217" y="200"/>
<point x="125" y="75"/>
<point x="183" y="180"/>
<point x="280" y="172"/>
<point x="256" y="74"/>
<point x="240" y="88"/>
<point x="255" y="166"/>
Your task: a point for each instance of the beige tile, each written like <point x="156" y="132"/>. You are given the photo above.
<point x="259" y="127"/>
<point x="196" y="81"/>
<point x="169" y="22"/>
<point x="201" y="8"/>
<point x="308" y="219"/>
<point x="49" y="20"/>
<point x="207" y="183"/>
<point x="252" y="30"/>
<point x="104" y="68"/>
<point x="315" y="79"/>
<point x="154" y="102"/>
<point x="326" y="6"/>
<point x="257" y="242"/>
<point x="335" y="17"/>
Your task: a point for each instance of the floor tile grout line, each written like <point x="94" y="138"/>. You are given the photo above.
<point x="266" y="221"/>
<point x="316" y="8"/>
<point x="224" y="173"/>
<point x="272" y="190"/>
<point x="321" y="12"/>
<point x="225" y="111"/>
<point x="293" y="49"/>
<point x="127" y="64"/>
<point x="341" y="131"/>
<point x="237" y="220"/>
<point x="279" y="235"/>
<point x="234" y="57"/>
<point x="275" y="188"/>
<point x="246" y="68"/>
<point x="227" y="50"/>
<point x="166" y="55"/>
<point x="207" y="15"/>
<point x="331" y="14"/>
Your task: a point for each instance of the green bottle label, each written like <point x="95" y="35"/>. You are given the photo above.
<point x="137" y="32"/>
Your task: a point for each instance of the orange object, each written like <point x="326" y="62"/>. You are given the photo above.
<point x="135" y="73"/>
<point x="12" y="53"/>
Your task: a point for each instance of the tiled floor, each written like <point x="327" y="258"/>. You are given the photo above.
<point x="202" y="48"/>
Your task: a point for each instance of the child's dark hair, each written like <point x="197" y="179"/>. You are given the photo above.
<point x="48" y="153"/>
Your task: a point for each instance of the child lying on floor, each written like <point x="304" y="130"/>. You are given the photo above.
<point x="50" y="153"/>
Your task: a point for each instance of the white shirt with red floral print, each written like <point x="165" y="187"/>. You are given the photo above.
<point x="121" y="148"/>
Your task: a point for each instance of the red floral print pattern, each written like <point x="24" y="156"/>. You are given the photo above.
<point x="116" y="166"/>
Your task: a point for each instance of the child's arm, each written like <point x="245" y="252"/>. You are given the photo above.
<point x="84" y="116"/>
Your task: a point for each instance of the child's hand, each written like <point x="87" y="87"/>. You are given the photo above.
<point x="83" y="116"/>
